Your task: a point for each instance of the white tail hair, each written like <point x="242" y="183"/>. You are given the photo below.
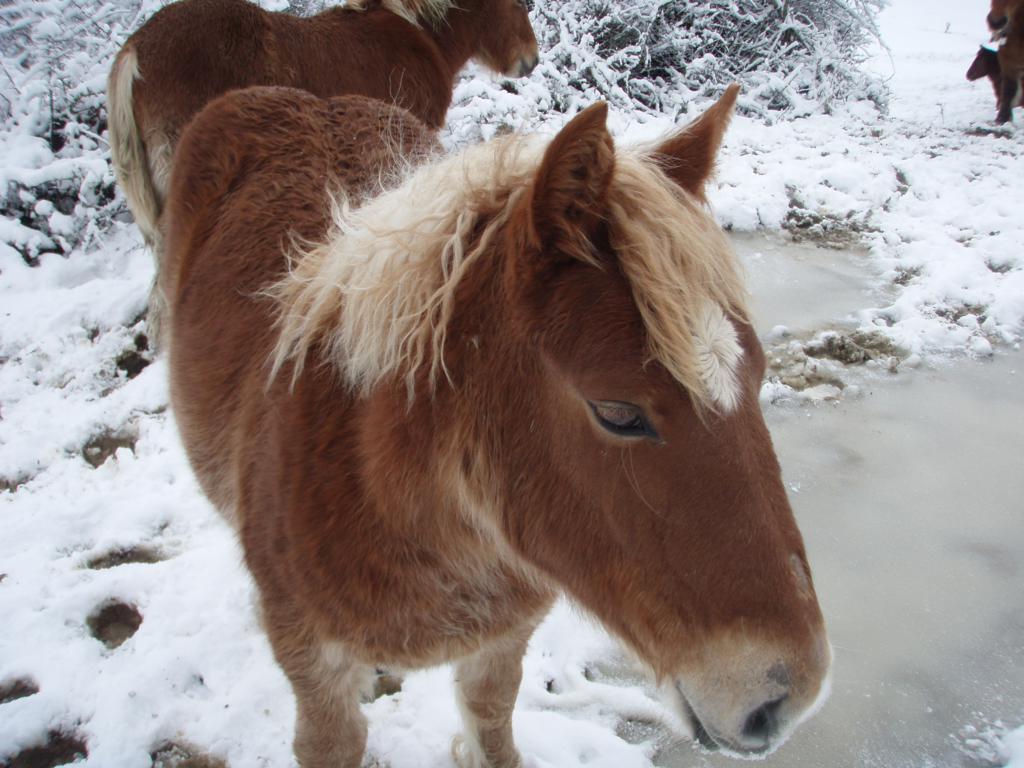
<point x="132" y="167"/>
<point x="127" y="150"/>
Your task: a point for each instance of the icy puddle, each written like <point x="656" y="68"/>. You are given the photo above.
<point x="911" y="500"/>
<point x="801" y="285"/>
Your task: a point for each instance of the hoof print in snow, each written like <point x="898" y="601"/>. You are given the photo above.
<point x="385" y="683"/>
<point x="134" y="360"/>
<point x="8" y="484"/>
<point x="637" y="731"/>
<point x="114" y="623"/>
<point x="975" y="314"/>
<point x="178" y="756"/>
<point x="905" y="275"/>
<point x="17" y="689"/>
<point x="102" y="447"/>
<point x="59" y="749"/>
<point x="118" y="557"/>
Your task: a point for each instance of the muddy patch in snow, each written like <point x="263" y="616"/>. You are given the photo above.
<point x="19" y="688"/>
<point x="136" y="358"/>
<point x="103" y="446"/>
<point x="114" y="623"/>
<point x="59" y="749"/>
<point x="116" y="557"/>
<point x="13" y="483"/>
<point x="184" y="756"/>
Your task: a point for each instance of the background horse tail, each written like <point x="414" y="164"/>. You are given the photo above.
<point x="127" y="150"/>
<point x="131" y="165"/>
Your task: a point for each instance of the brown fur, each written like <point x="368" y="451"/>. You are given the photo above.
<point x="1011" y="61"/>
<point x="986" y="64"/>
<point x="192" y="51"/>
<point x="384" y="530"/>
<point x="998" y="15"/>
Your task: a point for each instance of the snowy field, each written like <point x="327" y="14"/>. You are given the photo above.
<point x="128" y="634"/>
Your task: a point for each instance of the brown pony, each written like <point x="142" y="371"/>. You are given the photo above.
<point x="403" y="51"/>
<point x="986" y="64"/>
<point x="1006" y="20"/>
<point x="521" y="370"/>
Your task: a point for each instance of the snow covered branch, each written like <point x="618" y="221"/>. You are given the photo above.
<point x="793" y="55"/>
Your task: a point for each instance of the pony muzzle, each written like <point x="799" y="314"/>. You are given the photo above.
<point x="524" y="65"/>
<point x="752" y="714"/>
<point x="757" y="730"/>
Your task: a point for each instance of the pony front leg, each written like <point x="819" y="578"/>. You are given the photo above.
<point x="330" y="728"/>
<point x="486" y="687"/>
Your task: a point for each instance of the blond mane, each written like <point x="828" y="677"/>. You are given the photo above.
<point x="380" y="292"/>
<point x="433" y="12"/>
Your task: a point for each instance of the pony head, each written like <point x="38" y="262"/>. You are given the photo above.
<point x="985" y="64"/>
<point x="507" y="41"/>
<point x="497" y="33"/>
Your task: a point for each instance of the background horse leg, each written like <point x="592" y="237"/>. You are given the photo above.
<point x="1008" y="98"/>
<point x="486" y="686"/>
<point x="330" y="728"/>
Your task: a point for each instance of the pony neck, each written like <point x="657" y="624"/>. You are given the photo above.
<point x="456" y="35"/>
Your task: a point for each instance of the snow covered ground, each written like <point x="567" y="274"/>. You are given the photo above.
<point x="98" y="508"/>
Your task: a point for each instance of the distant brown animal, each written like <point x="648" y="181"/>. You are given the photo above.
<point x="403" y="51"/>
<point x="524" y="369"/>
<point x="998" y="15"/>
<point x="986" y="64"/>
<point x="1011" y="61"/>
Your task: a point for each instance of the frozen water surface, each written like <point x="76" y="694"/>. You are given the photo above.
<point x="802" y="285"/>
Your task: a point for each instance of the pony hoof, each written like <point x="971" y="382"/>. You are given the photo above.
<point x="466" y="754"/>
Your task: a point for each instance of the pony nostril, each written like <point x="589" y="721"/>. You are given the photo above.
<point x="527" y="64"/>
<point x="763" y="723"/>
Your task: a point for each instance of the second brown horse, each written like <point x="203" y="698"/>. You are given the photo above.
<point x="405" y="52"/>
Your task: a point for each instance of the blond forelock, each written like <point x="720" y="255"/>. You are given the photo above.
<point x="379" y="293"/>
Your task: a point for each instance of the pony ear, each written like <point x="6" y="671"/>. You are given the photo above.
<point x="569" y="188"/>
<point x="688" y="157"/>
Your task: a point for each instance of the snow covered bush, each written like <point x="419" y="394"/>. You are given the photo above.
<point x="56" y="185"/>
<point x="792" y="55"/>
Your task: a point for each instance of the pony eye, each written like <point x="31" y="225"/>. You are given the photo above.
<point x="623" y="419"/>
